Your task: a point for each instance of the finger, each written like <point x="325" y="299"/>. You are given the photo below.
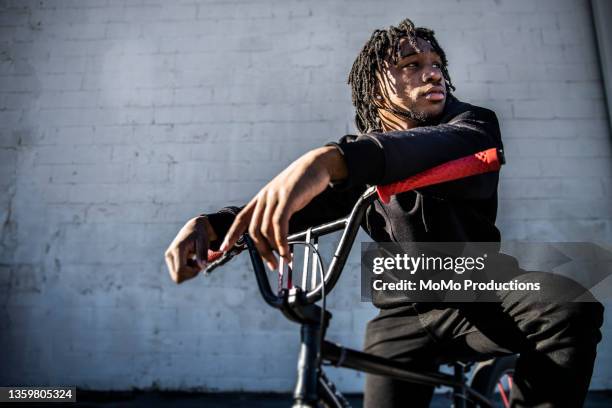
<point x="258" y="239"/>
<point x="265" y="251"/>
<point x="185" y="271"/>
<point x="170" y="265"/>
<point x="201" y="245"/>
<point x="238" y="227"/>
<point x="176" y="262"/>
<point x="175" y="265"/>
<point x="193" y="263"/>
<point x="266" y="221"/>
<point x="280" y="225"/>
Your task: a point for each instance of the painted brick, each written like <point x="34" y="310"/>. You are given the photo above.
<point x="122" y="119"/>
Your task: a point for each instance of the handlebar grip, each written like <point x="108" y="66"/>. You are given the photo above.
<point x="214" y="255"/>
<point x="482" y="162"/>
<point x="218" y="258"/>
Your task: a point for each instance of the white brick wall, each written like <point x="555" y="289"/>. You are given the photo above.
<point x="121" y="119"/>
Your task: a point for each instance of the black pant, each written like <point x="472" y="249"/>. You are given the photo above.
<point x="555" y="337"/>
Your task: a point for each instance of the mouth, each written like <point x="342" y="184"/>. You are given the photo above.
<point x="435" y="94"/>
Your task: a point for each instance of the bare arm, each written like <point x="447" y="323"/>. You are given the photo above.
<point x="266" y="216"/>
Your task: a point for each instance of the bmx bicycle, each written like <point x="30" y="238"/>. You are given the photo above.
<point x="297" y="301"/>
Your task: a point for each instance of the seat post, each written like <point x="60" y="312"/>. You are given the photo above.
<point x="459" y="396"/>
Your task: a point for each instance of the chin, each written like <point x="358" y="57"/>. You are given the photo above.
<point x="426" y="116"/>
<point x="438" y="111"/>
<point x="435" y="110"/>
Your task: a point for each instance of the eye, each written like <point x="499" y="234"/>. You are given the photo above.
<point x="438" y="64"/>
<point x="410" y="65"/>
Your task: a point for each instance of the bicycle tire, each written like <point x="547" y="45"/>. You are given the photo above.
<point x="488" y="374"/>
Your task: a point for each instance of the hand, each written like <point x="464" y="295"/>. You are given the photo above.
<point x="267" y="215"/>
<point x="192" y="239"/>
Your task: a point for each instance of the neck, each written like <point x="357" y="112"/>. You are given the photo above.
<point x="392" y="121"/>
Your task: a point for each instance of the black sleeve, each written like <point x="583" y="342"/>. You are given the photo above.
<point x="221" y="221"/>
<point x="383" y="158"/>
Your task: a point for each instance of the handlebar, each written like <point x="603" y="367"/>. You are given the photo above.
<point x="482" y="162"/>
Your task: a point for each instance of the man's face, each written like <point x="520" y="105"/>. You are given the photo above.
<point x="415" y="85"/>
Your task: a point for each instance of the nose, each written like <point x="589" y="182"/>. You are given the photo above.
<point x="432" y="74"/>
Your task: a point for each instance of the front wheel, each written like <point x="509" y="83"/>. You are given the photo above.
<point x="494" y="379"/>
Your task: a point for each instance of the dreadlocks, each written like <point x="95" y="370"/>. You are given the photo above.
<point x="363" y="79"/>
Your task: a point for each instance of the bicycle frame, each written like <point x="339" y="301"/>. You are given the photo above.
<point x="300" y="306"/>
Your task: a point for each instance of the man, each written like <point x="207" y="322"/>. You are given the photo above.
<point x="409" y="121"/>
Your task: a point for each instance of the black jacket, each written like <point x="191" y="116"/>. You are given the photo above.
<point x="456" y="211"/>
